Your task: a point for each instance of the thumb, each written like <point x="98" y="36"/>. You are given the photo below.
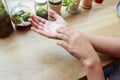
<point x="63" y="44"/>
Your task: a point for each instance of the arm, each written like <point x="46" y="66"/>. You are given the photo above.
<point x="107" y="45"/>
<point x="74" y="42"/>
<point x="79" y="46"/>
<point x="94" y="69"/>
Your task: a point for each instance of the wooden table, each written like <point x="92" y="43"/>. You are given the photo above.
<point x="30" y="56"/>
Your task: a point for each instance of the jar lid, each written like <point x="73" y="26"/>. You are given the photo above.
<point x="41" y="1"/>
<point x="55" y="2"/>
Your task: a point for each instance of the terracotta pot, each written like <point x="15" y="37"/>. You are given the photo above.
<point x="75" y="7"/>
<point x="56" y="6"/>
<point x="87" y="4"/>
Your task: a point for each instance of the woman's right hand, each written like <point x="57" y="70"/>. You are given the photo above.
<point x="76" y="43"/>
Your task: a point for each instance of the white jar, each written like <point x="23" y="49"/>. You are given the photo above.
<point x="41" y="8"/>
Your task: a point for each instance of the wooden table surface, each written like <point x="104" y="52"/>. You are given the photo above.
<point x="30" y="56"/>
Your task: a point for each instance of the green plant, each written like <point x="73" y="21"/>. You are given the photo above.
<point x="69" y="3"/>
<point x="2" y="11"/>
<point x="18" y="16"/>
<point x="42" y="12"/>
<point x="26" y="16"/>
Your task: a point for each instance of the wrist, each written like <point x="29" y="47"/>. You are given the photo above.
<point x="93" y="68"/>
<point x="90" y="62"/>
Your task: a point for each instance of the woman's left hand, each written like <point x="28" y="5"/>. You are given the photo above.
<point x="45" y="27"/>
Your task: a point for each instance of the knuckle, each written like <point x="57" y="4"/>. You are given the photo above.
<point x="76" y="37"/>
<point x="61" y="36"/>
<point x="71" y="49"/>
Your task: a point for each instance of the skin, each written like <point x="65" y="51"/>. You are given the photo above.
<point x="79" y="45"/>
<point x="41" y="26"/>
<point x="107" y="45"/>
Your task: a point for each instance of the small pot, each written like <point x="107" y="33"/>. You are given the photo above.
<point x="75" y="9"/>
<point x="87" y="4"/>
<point x="6" y="27"/>
<point x="55" y="5"/>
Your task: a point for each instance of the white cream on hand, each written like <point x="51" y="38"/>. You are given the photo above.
<point x="52" y="27"/>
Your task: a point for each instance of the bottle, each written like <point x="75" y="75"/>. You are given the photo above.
<point x="55" y="5"/>
<point x="19" y="15"/>
<point x="87" y="4"/>
<point x="41" y="8"/>
<point x="6" y="27"/>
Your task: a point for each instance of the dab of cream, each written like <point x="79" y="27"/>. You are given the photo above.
<point x="52" y="27"/>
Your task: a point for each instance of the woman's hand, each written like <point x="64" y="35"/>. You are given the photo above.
<point x="75" y="43"/>
<point x="45" y="27"/>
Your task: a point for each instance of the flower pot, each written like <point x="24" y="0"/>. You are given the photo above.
<point x="19" y="16"/>
<point x="55" y="5"/>
<point x="74" y="9"/>
<point x="87" y="4"/>
<point x="6" y="27"/>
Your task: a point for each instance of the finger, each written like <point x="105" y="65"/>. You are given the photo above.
<point x="41" y="32"/>
<point x="54" y="14"/>
<point x="37" y="30"/>
<point x="38" y="26"/>
<point x="62" y="37"/>
<point x="34" y="18"/>
<point x="41" y="24"/>
<point x="38" y="19"/>
<point x="63" y="44"/>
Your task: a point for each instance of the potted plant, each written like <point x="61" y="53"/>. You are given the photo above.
<point x="41" y="8"/>
<point x="42" y="12"/>
<point x="72" y="6"/>
<point x="6" y="27"/>
<point x="20" y="19"/>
